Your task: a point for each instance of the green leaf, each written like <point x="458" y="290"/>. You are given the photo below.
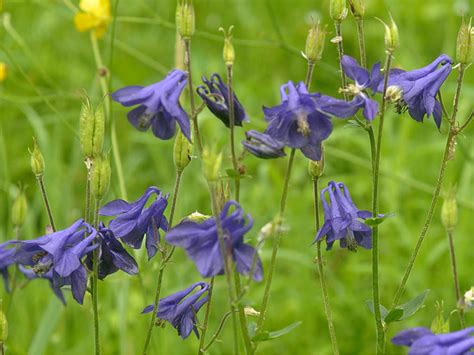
<point x="252" y="328"/>
<point x="383" y="310"/>
<point x="374" y="221"/>
<point x="412" y="306"/>
<point x="394" y="315"/>
<point x="266" y="335"/>
<point x="231" y="173"/>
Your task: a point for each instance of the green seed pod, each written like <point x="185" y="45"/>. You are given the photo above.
<point x="185" y="18"/>
<point x="36" y="160"/>
<point x="357" y="8"/>
<point x="464" y="43"/>
<point x="91" y="129"/>
<point x="316" y="168"/>
<point x="19" y="209"/>
<point x="337" y="10"/>
<point x="449" y="211"/>
<point x="228" y="53"/>
<point x="392" y="40"/>
<point x="100" y="176"/>
<point x="212" y="163"/>
<point x="182" y="151"/>
<point x="315" y="43"/>
<point x="3" y="326"/>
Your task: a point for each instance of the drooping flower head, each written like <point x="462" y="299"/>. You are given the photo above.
<point x="342" y="219"/>
<point x="6" y="259"/>
<point x="58" y="256"/>
<point x="417" y="89"/>
<point x="422" y="341"/>
<point x="201" y="243"/>
<point x="262" y="145"/>
<point x="180" y="308"/>
<point x="298" y="121"/>
<point x="216" y="97"/>
<point x="112" y="255"/>
<point x="94" y="15"/>
<point x="133" y="220"/>
<point x="158" y="105"/>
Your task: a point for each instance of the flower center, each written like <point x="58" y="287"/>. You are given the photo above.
<point x="303" y="126"/>
<point x="393" y="94"/>
<point x="351" y="242"/>
<point x="144" y="120"/>
<point x="352" y="89"/>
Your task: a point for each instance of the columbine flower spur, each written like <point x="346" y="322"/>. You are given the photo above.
<point x="215" y="95"/>
<point x="200" y="240"/>
<point x="342" y="219"/>
<point x="180" y="308"/>
<point x="133" y="220"/>
<point x="159" y="105"/>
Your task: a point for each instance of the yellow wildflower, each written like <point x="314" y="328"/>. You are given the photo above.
<point x="3" y="71"/>
<point x="95" y="15"/>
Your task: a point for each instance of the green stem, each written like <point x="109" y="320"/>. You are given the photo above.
<point x="448" y="154"/>
<point x="231" y="129"/>
<point x="327" y="306"/>
<point x="340" y="53"/>
<point x="276" y="241"/>
<point x="218" y="331"/>
<point x="87" y="213"/>
<point x="455" y="275"/>
<point x="187" y="64"/>
<point x="309" y="74"/>
<point x="375" y="208"/>
<point x="360" y="35"/>
<point x="202" y="348"/>
<point x="162" y="267"/>
<point x="242" y="318"/>
<point x="95" y="277"/>
<point x="39" y="178"/>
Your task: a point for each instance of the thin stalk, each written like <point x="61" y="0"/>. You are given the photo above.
<point x="375" y="208"/>
<point x="202" y="348"/>
<point x="276" y="241"/>
<point x="455" y="275"/>
<point x="327" y="306"/>
<point x="39" y="178"/>
<point x="227" y="265"/>
<point x="466" y="122"/>
<point x="230" y="99"/>
<point x="309" y="74"/>
<point x="242" y="318"/>
<point x="14" y="277"/>
<point x="429" y="217"/>
<point x="95" y="277"/>
<point x="218" y="331"/>
<point x="187" y="64"/>
<point x="162" y="267"/>
<point x="360" y="35"/>
<point x="340" y="53"/>
<point x="87" y="212"/>
<point x="113" y="134"/>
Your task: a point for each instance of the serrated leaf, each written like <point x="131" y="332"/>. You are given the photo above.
<point x="412" y="306"/>
<point x="394" y="315"/>
<point x="370" y="305"/>
<point x="264" y="336"/>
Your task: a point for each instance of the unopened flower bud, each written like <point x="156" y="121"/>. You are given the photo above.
<point x="392" y="40"/>
<point x="449" y="211"/>
<point x="357" y="8"/>
<point x="464" y="43"/>
<point x="337" y="10"/>
<point x="91" y="129"/>
<point x="36" y="160"/>
<point x="19" y="209"/>
<point x="181" y="152"/>
<point x="316" y="168"/>
<point x="228" y="53"/>
<point x="315" y="43"/>
<point x="185" y="18"/>
<point x="197" y="217"/>
<point x="100" y="176"/>
<point x="212" y="163"/>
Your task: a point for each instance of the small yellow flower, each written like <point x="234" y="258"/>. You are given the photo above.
<point x="95" y="15"/>
<point x="3" y="71"/>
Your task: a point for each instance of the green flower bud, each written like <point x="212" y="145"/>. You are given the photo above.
<point x="228" y="53"/>
<point x="465" y="43"/>
<point x="212" y="163"/>
<point x="315" y="43"/>
<point x="316" y="168"/>
<point x="185" y="18"/>
<point x="19" y="209"/>
<point x="197" y="217"/>
<point x="357" y="8"/>
<point x="181" y="152"/>
<point x="337" y="10"/>
<point x="100" y="176"/>
<point x="37" y="160"/>
<point x="3" y="326"/>
<point x="91" y="129"/>
<point x="449" y="211"/>
<point x="392" y="40"/>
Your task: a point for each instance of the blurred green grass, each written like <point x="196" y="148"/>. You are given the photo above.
<point x="49" y="66"/>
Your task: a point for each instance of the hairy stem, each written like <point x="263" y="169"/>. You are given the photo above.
<point x="230" y="98"/>
<point x="218" y="331"/>
<point x="39" y="178"/>
<point x="95" y="277"/>
<point x="87" y="212"/>
<point x="361" y="37"/>
<point x="340" y="53"/>
<point x="205" y="325"/>
<point x="455" y="275"/>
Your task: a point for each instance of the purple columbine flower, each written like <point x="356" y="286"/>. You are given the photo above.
<point x="180" y="308"/>
<point x="200" y="240"/>
<point x="59" y="256"/>
<point x="6" y="259"/>
<point x="159" y="105"/>
<point x="54" y="282"/>
<point x="113" y="256"/>
<point x="215" y="96"/>
<point x="417" y="89"/>
<point x="133" y="220"/>
<point x="422" y="341"/>
<point x="298" y="121"/>
<point x="342" y="220"/>
<point x="262" y="145"/>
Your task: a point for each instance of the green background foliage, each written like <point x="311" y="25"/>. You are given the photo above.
<point x="50" y="64"/>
